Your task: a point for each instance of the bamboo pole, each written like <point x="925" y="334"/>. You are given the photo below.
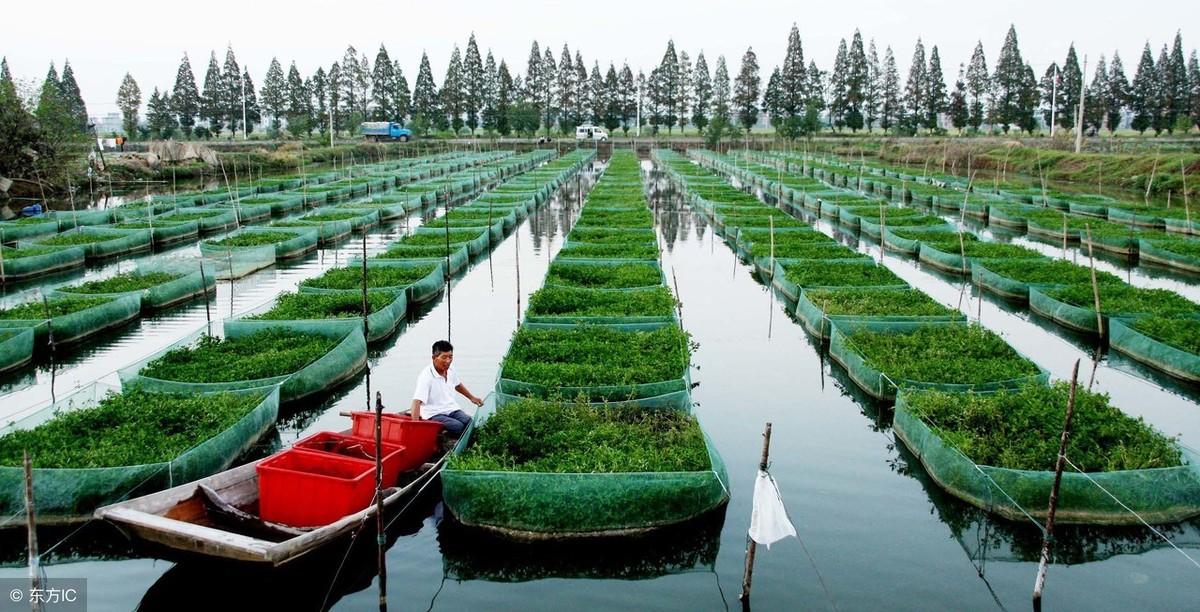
<point x="204" y="286"/>
<point x="1048" y="537"/>
<point x="1153" y="171"/>
<point x="1095" y="284"/>
<point x="751" y="547"/>
<point x="35" y="573"/>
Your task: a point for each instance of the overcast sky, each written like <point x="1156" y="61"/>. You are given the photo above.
<point x="148" y="38"/>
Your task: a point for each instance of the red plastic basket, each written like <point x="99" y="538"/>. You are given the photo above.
<point x="306" y="489"/>
<point x="419" y="438"/>
<point x="359" y="449"/>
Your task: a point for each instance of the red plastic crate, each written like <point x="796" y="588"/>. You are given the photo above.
<point x="419" y="438"/>
<point x="359" y="449"/>
<point x="306" y="489"/>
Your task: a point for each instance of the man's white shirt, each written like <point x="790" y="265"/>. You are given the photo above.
<point x="435" y="392"/>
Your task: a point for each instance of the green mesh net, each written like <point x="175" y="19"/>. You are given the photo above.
<point x="24" y="263"/>
<point x="1163" y="495"/>
<point x="80" y="218"/>
<point x="539" y="504"/>
<point x="73" y="494"/>
<point x="16" y="348"/>
<point x="24" y="229"/>
<point x="381" y="323"/>
<point x="1163" y="254"/>
<point x="99" y="243"/>
<point x="82" y="324"/>
<point x="191" y="282"/>
<point x="1153" y="352"/>
<point x="344" y="361"/>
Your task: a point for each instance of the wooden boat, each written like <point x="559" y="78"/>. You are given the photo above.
<point x="215" y="517"/>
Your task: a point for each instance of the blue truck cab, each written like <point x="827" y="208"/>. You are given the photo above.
<point x="385" y="130"/>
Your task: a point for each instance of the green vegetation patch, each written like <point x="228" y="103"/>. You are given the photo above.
<point x="876" y="302"/>
<point x="613" y="236"/>
<point x="1122" y="298"/>
<point x="265" y="354"/>
<point x="617" y="276"/>
<point x="1020" y="429"/>
<point x="974" y="248"/>
<point x="25" y="251"/>
<point x="1181" y="333"/>
<point x="1046" y="271"/>
<point x="817" y="273"/>
<point x="350" y="277"/>
<point x="126" y="281"/>
<point x="569" y="301"/>
<point x="57" y="307"/>
<point x="298" y="306"/>
<point x="436" y="238"/>
<point x="131" y="428"/>
<point x="78" y="238"/>
<point x="543" y="436"/>
<point x="252" y="239"/>
<point x="594" y="356"/>
<point x="946" y="354"/>
<point x="612" y="251"/>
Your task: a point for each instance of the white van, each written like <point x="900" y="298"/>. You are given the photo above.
<point x="591" y="132"/>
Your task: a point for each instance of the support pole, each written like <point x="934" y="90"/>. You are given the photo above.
<point x="1079" y="114"/>
<point x="748" y="574"/>
<point x="1048" y="538"/>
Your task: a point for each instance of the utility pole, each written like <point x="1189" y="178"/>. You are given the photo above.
<point x="242" y="82"/>
<point x="1053" y="100"/>
<point x="639" y="109"/>
<point x="331" y="125"/>
<point x="1079" y="119"/>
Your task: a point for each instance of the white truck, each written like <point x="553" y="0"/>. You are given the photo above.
<point x="588" y="131"/>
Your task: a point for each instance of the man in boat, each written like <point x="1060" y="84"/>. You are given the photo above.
<point x="433" y="398"/>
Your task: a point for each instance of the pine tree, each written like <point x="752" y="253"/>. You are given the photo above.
<point x="56" y="121"/>
<point x="583" y="92"/>
<point x="1069" y="86"/>
<point x="857" y="74"/>
<point x="1162" y="120"/>
<point x="473" y="84"/>
<point x="506" y="98"/>
<point x="1176" y="89"/>
<point x="352" y="113"/>
<point x="773" y="100"/>
<point x="1194" y="91"/>
<point x="452" y="92"/>
<point x="598" y="96"/>
<point x="159" y="118"/>
<point x="533" y="78"/>
<point x="653" y="88"/>
<point x="935" y="90"/>
<point x="1097" y="98"/>
<point x="627" y="94"/>
<point x="231" y="91"/>
<point x="1143" y="99"/>
<point x="668" y="87"/>
<point x="1010" y="85"/>
<point x="641" y="98"/>
<point x="318" y="90"/>
<point x="18" y="129"/>
<point x="701" y="93"/>
<point x="746" y="91"/>
<point x="915" y="88"/>
<point x="566" y="89"/>
<point x="297" y="104"/>
<point x="383" y="104"/>
<point x="401" y="96"/>
<point x="683" y="92"/>
<point x="838" y="87"/>
<point x="793" y="76"/>
<point x="425" y="97"/>
<point x="129" y="99"/>
<point x="185" y="98"/>
<point x="210" y="103"/>
<point x="548" y="87"/>
<point x="960" y="115"/>
<point x="333" y="98"/>
<point x="1051" y="93"/>
<point x="722" y="100"/>
<point x="874" y="87"/>
<point x="275" y="94"/>
<point x="1118" y="94"/>
<point x="491" y="91"/>
<point x="978" y="86"/>
<point x="73" y="98"/>
<point x="890" y="108"/>
<point x="612" y="99"/>
<point x="816" y="88"/>
<point x="1027" y="100"/>
<point x="253" y="113"/>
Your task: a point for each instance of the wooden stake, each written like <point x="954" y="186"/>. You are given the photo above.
<point x="748" y="573"/>
<point x="35" y="573"/>
<point x="1153" y="171"/>
<point x="204" y="285"/>
<point x="1095" y="284"/>
<point x="1048" y="537"/>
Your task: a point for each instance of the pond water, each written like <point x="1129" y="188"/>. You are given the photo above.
<point x="875" y="531"/>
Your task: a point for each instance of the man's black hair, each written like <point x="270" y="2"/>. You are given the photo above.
<point x="442" y="346"/>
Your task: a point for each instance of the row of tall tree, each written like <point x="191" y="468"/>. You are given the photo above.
<point x="41" y="132"/>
